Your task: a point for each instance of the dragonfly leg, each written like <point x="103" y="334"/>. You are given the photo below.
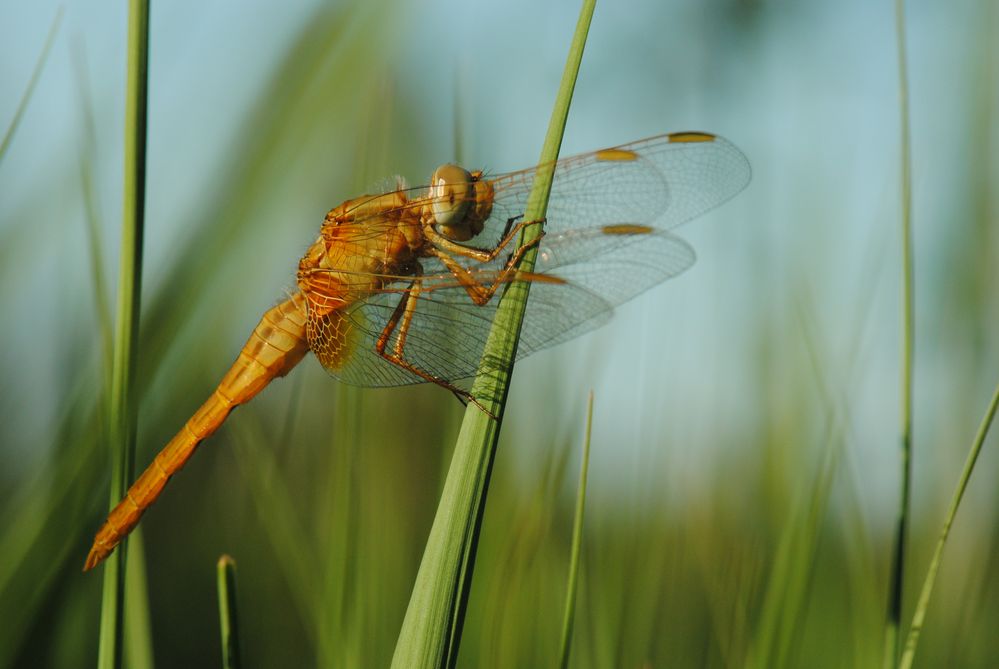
<point x="401" y="319"/>
<point x="478" y="291"/>
<point x="510" y="233"/>
<point x="509" y="224"/>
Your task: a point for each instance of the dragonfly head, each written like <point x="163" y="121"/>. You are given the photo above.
<point x="459" y="201"/>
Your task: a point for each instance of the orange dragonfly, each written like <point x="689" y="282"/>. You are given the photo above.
<point x="399" y="288"/>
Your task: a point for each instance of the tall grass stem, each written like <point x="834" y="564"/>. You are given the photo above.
<point x="897" y="573"/>
<point x="431" y="630"/>
<point x="577" y="543"/>
<point x="919" y="617"/>
<point x="123" y="407"/>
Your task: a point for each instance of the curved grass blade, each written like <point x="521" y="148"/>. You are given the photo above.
<point x="124" y="405"/>
<point x="431" y="630"/>
<point x="577" y="543"/>
<point x="225" y="575"/>
<point x="88" y="159"/>
<point x="32" y="82"/>
<point x="919" y="617"/>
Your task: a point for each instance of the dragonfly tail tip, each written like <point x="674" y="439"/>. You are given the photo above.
<point x="94" y="558"/>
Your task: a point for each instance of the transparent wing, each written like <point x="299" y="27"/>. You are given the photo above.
<point x="606" y="241"/>
<point x="662" y="181"/>
<point x="596" y="269"/>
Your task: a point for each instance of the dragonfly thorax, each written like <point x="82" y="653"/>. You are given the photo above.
<point x="460" y="202"/>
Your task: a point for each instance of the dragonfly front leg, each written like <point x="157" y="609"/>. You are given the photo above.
<point x="482" y="255"/>
<point x="399" y="322"/>
<point x="477" y="290"/>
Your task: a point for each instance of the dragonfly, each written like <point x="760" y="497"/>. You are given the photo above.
<point x="401" y="287"/>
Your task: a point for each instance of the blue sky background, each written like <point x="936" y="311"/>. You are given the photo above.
<point x="807" y="90"/>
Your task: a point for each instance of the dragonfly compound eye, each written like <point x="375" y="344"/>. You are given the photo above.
<point x="451" y="193"/>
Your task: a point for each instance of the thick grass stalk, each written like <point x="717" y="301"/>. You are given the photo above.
<point x="225" y="575"/>
<point x="431" y="630"/>
<point x="922" y="605"/>
<point x="123" y="405"/>
<point x="577" y="544"/>
<point x="32" y="82"/>
<point x="897" y="574"/>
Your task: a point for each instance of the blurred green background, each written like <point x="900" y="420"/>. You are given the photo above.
<point x="744" y="476"/>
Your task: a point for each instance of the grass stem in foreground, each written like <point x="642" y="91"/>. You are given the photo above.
<point x="123" y="408"/>
<point x="226" y="579"/>
<point x="431" y="630"/>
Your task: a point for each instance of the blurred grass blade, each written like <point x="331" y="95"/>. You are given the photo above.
<point x="277" y="514"/>
<point x="431" y="630"/>
<point x="228" y="620"/>
<point x="123" y="408"/>
<point x="793" y="569"/>
<point x="793" y="573"/>
<point x="931" y="574"/>
<point x="138" y="649"/>
<point x="577" y="543"/>
<point x="88" y="162"/>
<point x="35" y="557"/>
<point x="897" y="574"/>
<point x="138" y="626"/>
<point x="32" y="82"/>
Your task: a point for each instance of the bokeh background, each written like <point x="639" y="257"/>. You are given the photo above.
<point x="744" y="475"/>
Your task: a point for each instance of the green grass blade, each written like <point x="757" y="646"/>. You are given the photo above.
<point x="34" y="555"/>
<point x="138" y="647"/>
<point x="931" y="574"/>
<point x="88" y="160"/>
<point x="431" y="630"/>
<point x="786" y="598"/>
<point x="897" y="574"/>
<point x="278" y="516"/>
<point x="138" y="650"/>
<point x="577" y="543"/>
<point x="32" y="82"/>
<point x="124" y="405"/>
<point x="228" y="620"/>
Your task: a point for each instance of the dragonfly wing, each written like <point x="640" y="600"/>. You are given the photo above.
<point x="662" y="181"/>
<point x="594" y="269"/>
<point x="448" y="332"/>
<point x="612" y="266"/>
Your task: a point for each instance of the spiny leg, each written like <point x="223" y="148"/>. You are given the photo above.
<point x="509" y="224"/>
<point x="401" y="319"/>
<point x="478" y="291"/>
<point x="481" y="255"/>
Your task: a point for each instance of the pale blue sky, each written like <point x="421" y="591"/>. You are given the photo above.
<point x="809" y="93"/>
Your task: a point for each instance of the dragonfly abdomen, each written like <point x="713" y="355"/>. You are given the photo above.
<point x="276" y="345"/>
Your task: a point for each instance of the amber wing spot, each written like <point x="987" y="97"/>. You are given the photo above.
<point x="622" y="155"/>
<point x="332" y="337"/>
<point x="626" y="229"/>
<point x="692" y="137"/>
<point x="540" y="278"/>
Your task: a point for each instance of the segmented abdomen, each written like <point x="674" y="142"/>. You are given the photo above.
<point x="276" y="345"/>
